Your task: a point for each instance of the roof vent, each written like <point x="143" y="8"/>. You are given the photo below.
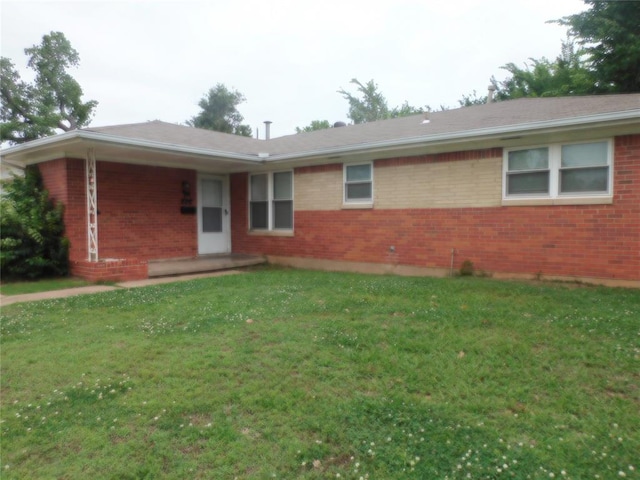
<point x="491" y="90"/>
<point x="339" y="124"/>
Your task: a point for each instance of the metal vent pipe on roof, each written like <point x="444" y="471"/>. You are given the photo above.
<point x="267" y="129"/>
<point x="491" y="90"/>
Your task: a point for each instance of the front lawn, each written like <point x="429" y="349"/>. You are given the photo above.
<point x="300" y="374"/>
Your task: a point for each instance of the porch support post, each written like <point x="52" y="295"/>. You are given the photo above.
<point x="92" y="205"/>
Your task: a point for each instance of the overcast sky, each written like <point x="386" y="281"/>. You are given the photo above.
<point x="148" y="60"/>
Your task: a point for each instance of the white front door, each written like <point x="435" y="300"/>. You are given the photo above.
<point x="214" y="232"/>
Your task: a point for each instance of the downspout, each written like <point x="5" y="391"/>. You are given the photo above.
<point x="453" y="253"/>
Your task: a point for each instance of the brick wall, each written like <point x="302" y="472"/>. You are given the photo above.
<point x="463" y="183"/>
<point x="139" y="215"/>
<point x="65" y="180"/>
<point x="318" y="188"/>
<point x="116" y="270"/>
<point x="596" y="241"/>
<point x="140" y="212"/>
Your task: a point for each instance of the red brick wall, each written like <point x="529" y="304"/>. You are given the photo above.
<point x="111" y="271"/>
<point x="140" y="212"/>
<point x="139" y="209"/>
<point x="65" y="181"/>
<point x="599" y="241"/>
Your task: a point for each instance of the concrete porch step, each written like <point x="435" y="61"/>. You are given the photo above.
<point x="204" y="263"/>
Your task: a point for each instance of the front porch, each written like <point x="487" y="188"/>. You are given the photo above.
<point x="201" y="264"/>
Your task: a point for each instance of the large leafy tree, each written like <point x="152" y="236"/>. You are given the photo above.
<point x="220" y="112"/>
<point x="568" y="74"/>
<point x="609" y="31"/>
<point x="371" y="105"/>
<point x="52" y="102"/>
<point x="32" y="242"/>
<point x="601" y="55"/>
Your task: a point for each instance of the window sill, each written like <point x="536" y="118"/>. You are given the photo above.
<point x="271" y="233"/>
<point x="524" y="202"/>
<point x="357" y="206"/>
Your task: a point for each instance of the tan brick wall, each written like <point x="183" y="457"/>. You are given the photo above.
<point x="405" y="183"/>
<point x="318" y="190"/>
<point x="460" y="184"/>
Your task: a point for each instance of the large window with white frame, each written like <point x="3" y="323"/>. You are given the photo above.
<point x="271" y="201"/>
<point x="358" y="183"/>
<point x="559" y="170"/>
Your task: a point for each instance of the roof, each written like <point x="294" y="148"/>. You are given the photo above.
<point x="496" y="119"/>
<point x="171" y="133"/>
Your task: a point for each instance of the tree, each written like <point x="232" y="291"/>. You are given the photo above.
<point x="601" y="55"/>
<point x="609" y="31"/>
<point x="473" y="99"/>
<point x="405" y="110"/>
<point x="220" y="112"/>
<point x="567" y="75"/>
<point x="314" y="125"/>
<point x="373" y="105"/>
<point x="32" y="242"/>
<point x="53" y="101"/>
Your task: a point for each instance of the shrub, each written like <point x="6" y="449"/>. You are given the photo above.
<point x="32" y="242"/>
<point x="467" y="268"/>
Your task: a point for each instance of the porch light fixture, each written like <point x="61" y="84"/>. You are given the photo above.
<point x="185" y="207"/>
<point x="186" y="193"/>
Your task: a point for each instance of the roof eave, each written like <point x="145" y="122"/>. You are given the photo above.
<point x="571" y="123"/>
<point x="115" y="140"/>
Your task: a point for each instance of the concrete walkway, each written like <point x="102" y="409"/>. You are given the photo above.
<point x="70" y="292"/>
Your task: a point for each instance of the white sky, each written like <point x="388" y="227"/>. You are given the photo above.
<point x="146" y="60"/>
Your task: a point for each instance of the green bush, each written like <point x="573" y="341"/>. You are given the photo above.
<point x="32" y="242"/>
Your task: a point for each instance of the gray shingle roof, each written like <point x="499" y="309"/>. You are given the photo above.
<point x="521" y="112"/>
<point x="173" y="134"/>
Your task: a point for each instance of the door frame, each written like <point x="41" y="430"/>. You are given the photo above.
<point x="226" y="217"/>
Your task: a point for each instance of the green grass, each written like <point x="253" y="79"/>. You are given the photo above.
<point x="20" y="288"/>
<point x="300" y="374"/>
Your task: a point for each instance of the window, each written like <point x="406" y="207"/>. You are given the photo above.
<point x="259" y="205"/>
<point x="528" y="171"/>
<point x="212" y="205"/>
<point x="283" y="200"/>
<point x="358" y="183"/>
<point x="556" y="171"/>
<point x="584" y="168"/>
<point x="271" y="201"/>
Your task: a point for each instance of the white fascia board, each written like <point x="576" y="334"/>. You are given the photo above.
<point x="467" y="135"/>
